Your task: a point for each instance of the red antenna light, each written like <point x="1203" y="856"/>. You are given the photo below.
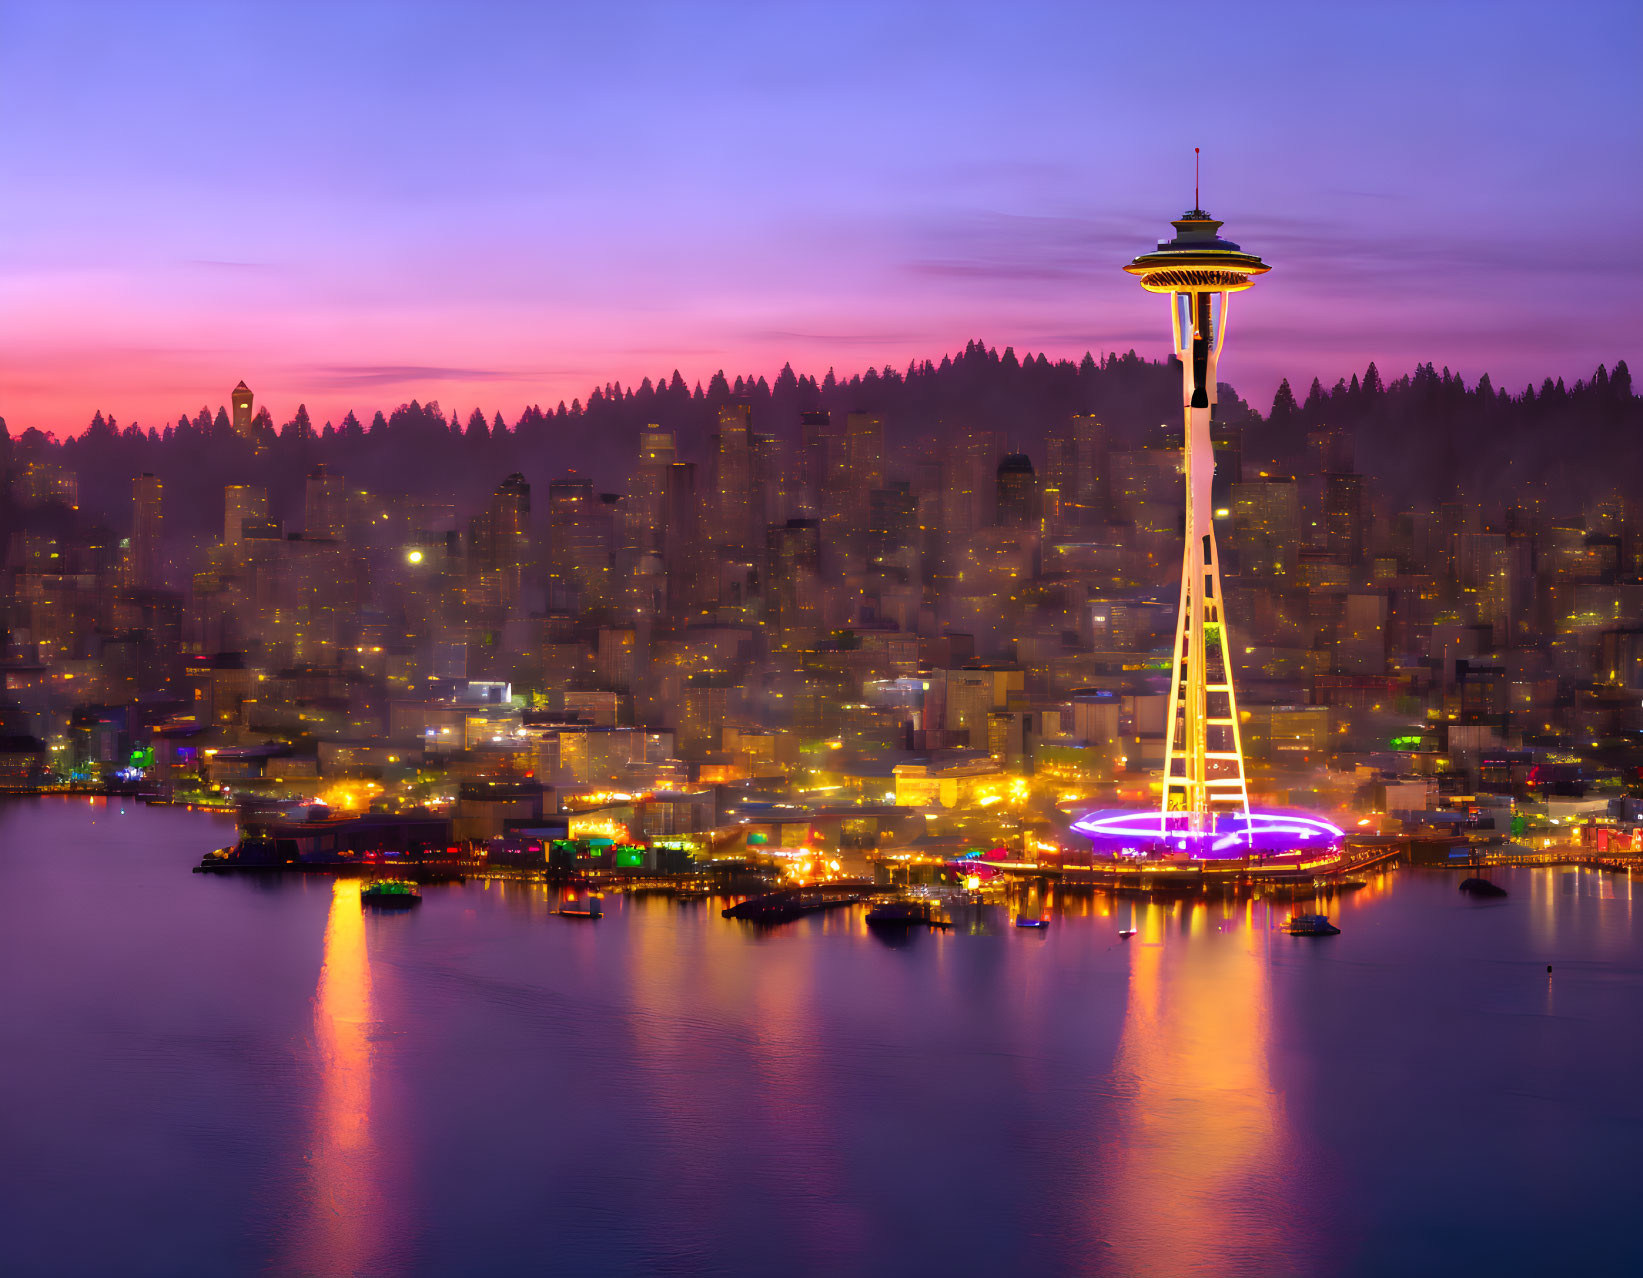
<point x="1195" y="201"/>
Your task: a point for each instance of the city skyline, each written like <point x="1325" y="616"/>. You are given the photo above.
<point x="663" y="637"/>
<point x="623" y="195"/>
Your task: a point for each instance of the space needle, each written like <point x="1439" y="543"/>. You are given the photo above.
<point x="1203" y="778"/>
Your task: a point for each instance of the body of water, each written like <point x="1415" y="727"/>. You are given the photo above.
<point x="235" y="1075"/>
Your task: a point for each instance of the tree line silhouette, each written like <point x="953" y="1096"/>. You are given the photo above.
<point x="1425" y="437"/>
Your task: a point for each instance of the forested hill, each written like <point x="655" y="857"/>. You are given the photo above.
<point x="1429" y="437"/>
<point x="1425" y="435"/>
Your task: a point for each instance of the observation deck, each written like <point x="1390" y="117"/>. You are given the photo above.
<point x="1197" y="260"/>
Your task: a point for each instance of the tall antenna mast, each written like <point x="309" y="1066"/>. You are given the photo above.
<point x="1196" y="203"/>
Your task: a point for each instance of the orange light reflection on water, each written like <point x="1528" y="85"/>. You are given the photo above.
<point x="344" y="1227"/>
<point x="1195" y="1175"/>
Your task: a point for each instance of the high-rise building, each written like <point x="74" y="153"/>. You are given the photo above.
<point x="892" y="522"/>
<point x="864" y="438"/>
<point x="969" y="484"/>
<point x="821" y="455"/>
<point x="733" y="477"/>
<point x="146" y="529"/>
<point x="826" y="493"/>
<point x="1016" y="487"/>
<point x="242" y="504"/>
<point x="681" y="553"/>
<point x="1346" y="518"/>
<point x="765" y="494"/>
<point x="580" y="528"/>
<point x="1075" y="456"/>
<point x="241" y="398"/>
<point x="864" y="472"/>
<point x="1266" y="525"/>
<point x="793" y="596"/>
<point x="499" y="543"/>
<point x="647" y="502"/>
<point x="1203" y="755"/>
<point x="325" y="506"/>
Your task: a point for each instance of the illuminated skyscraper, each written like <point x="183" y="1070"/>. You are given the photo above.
<point x="1203" y="756"/>
<point x="681" y="553"/>
<point x="325" y="508"/>
<point x="242" y="504"/>
<point x="733" y="474"/>
<point x="793" y="569"/>
<point x="1084" y="488"/>
<point x="1346" y="516"/>
<point x="1016" y="492"/>
<point x="146" y="516"/>
<point x="243" y="411"/>
<point x="579" y="545"/>
<point x="499" y="544"/>
<point x="864" y="434"/>
<point x="647" y="503"/>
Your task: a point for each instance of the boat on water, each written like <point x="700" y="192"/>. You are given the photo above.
<point x="1310" y="925"/>
<point x="1124" y="934"/>
<point x="1026" y="920"/>
<point x="589" y="907"/>
<point x="888" y="914"/>
<point x="790" y="903"/>
<point x="1481" y="887"/>
<point x="391" y="894"/>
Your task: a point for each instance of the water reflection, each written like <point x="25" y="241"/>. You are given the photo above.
<point x="343" y="1225"/>
<point x="667" y="1092"/>
<point x="1196" y="1177"/>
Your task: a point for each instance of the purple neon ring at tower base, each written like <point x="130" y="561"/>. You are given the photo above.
<point x="1136" y="833"/>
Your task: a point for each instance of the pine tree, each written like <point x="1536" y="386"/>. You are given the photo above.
<point x="1284" y="406"/>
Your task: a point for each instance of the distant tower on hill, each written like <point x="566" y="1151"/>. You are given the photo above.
<point x="242" y="398"/>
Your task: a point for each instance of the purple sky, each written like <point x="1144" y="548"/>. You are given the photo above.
<point x="493" y="204"/>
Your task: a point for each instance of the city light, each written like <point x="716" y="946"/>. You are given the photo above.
<point x="720" y="699"/>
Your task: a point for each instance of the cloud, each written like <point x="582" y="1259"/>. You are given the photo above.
<point x="1014" y="248"/>
<point x="1108" y="339"/>
<point x="221" y="264"/>
<point x="344" y="375"/>
<point x="836" y="339"/>
<point x="1027" y="250"/>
